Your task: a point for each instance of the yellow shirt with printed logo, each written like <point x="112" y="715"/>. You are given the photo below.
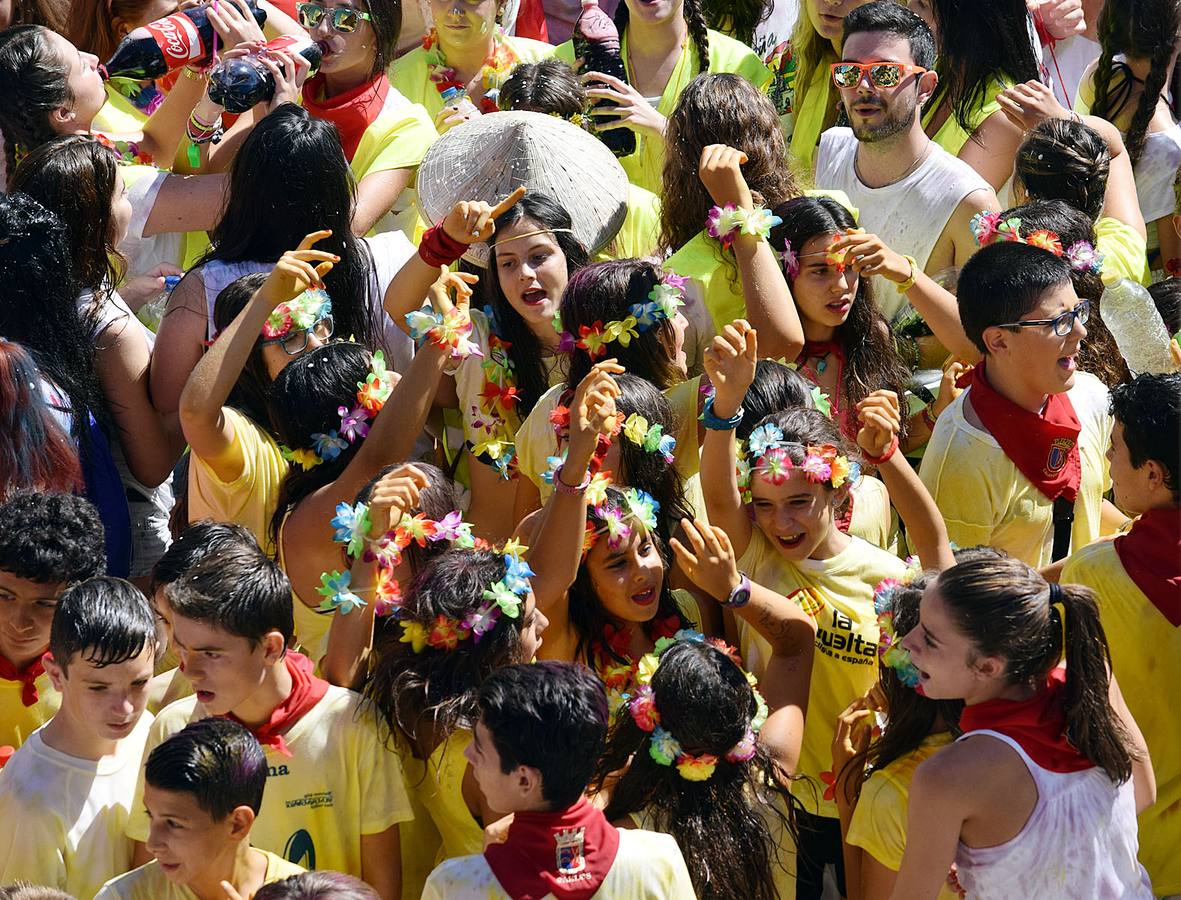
<point x="1146" y="660"/>
<point x="340" y="782"/>
<point x="149" y="882"/>
<point x="18" y="721"/>
<point x="838" y="594"/>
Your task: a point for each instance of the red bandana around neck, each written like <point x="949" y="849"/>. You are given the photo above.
<point x="566" y="853"/>
<point x="1043" y="448"/>
<point x="306" y="691"/>
<point x="1037" y="724"/>
<point x="351" y="112"/>
<point x="1151" y="555"/>
<point x="27" y="678"/>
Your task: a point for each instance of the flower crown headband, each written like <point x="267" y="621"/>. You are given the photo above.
<point x="791" y="258"/>
<point x="890" y="649"/>
<point x="371" y="396"/>
<point x="650" y="438"/>
<point x="665" y="298"/>
<point x="989" y="228"/>
<point x="767" y="454"/>
<point x="666" y="750"/>
<point x="298" y="314"/>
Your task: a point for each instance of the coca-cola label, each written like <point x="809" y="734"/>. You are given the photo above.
<point x="178" y="40"/>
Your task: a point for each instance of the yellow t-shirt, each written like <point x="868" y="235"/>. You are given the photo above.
<point x="166" y="688"/>
<point x="249" y="500"/>
<point x="63" y="817"/>
<point x="340" y="782"/>
<point x="879" y="819"/>
<point x="119" y="115"/>
<point x="639" y="236"/>
<point x="838" y="594"/>
<point x="951" y="136"/>
<point x="1125" y="252"/>
<point x="441" y="794"/>
<point x="984" y="498"/>
<point x="808" y="119"/>
<point x="1146" y="661"/>
<point x="18" y="721"/>
<point x="645" y="167"/>
<point x="149" y="882"/>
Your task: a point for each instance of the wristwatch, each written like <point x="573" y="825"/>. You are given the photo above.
<point x="740" y="596"/>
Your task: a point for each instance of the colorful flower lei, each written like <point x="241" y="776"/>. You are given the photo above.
<point x="663" y="747"/>
<point x="650" y="438"/>
<point x="451" y="330"/>
<point x="988" y="228"/>
<point x="767" y="454"/>
<point x="890" y="648"/>
<point x="496" y="70"/>
<point x="638" y="507"/>
<point x="663" y="302"/>
<point x="725" y="223"/>
<point x="298" y="314"/>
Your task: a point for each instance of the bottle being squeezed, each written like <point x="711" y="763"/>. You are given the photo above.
<point x="596" y="43"/>
<point x="239" y="84"/>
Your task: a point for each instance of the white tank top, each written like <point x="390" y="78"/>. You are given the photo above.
<point x="1080" y="841"/>
<point x="910" y="214"/>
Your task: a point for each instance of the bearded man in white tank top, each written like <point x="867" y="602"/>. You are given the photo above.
<point x="910" y="191"/>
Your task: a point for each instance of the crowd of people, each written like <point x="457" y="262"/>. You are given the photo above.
<point x="467" y="474"/>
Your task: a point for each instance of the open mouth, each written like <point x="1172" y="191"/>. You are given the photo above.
<point x="645" y="597"/>
<point x="534" y="297"/>
<point x="205" y="697"/>
<point x="791" y="542"/>
<point x="1069" y="363"/>
<point x="839" y="307"/>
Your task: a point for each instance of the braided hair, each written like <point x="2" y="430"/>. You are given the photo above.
<point x="33" y="84"/>
<point x="694" y="19"/>
<point x="1139" y="29"/>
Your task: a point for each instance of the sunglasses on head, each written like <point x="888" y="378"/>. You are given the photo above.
<point x="881" y="74"/>
<point x="344" y="19"/>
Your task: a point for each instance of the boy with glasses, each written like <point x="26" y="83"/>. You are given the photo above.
<point x="1017" y="460"/>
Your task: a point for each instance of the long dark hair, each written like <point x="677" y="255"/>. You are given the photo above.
<point x="738" y="18"/>
<point x="40" y="307"/>
<point x="979" y="43"/>
<point x="251" y="392"/>
<point x="604" y="292"/>
<point x="290" y="178"/>
<point x="74" y="176"/>
<point x="33" y="84"/>
<point x="1005" y="608"/>
<point x="1139" y="29"/>
<point x="386" y="18"/>
<point x="525" y="350"/>
<point x="721" y="824"/>
<point x="1064" y="160"/>
<point x="1098" y="354"/>
<point x="428" y="694"/>
<point x="776" y="388"/>
<point x="719" y="109"/>
<point x="871" y="360"/>
<point x="694" y="19"/>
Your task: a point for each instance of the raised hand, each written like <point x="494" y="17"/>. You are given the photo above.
<point x="730" y="363"/>
<point x="298" y="270"/>
<point x="707" y="557"/>
<point x="867" y="254"/>
<point x="720" y="171"/>
<point x="632" y="110"/>
<point x="881" y="419"/>
<point x="473" y="221"/>
<point x="452" y="283"/>
<point x="397" y="492"/>
<point x="592" y="411"/>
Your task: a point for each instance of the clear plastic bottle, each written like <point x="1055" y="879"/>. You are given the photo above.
<point x="1136" y="325"/>
<point x="151" y="313"/>
<point x="456" y="98"/>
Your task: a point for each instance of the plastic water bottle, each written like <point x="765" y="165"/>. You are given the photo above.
<point x="457" y="98"/>
<point x="153" y="312"/>
<point x="1136" y="325"/>
<point x="240" y="84"/>
<point x="596" y="43"/>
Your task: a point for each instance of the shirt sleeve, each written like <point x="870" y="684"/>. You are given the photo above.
<point x="405" y="138"/>
<point x="384" y="801"/>
<point x="535" y="444"/>
<point x="965" y="495"/>
<point x="879" y="822"/>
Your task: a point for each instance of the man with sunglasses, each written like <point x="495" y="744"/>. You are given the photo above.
<point x="1017" y="461"/>
<point x="912" y="193"/>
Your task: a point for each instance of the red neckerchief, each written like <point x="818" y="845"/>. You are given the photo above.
<point x="1037" y="724"/>
<point x="306" y="691"/>
<point x="1043" y="448"/>
<point x="567" y="854"/>
<point x="821" y="349"/>
<point x="27" y="678"/>
<point x="1151" y="555"/>
<point x="351" y="112"/>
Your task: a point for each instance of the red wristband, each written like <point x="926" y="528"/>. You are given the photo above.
<point x="885" y="457"/>
<point x="563" y="488"/>
<point x="438" y="248"/>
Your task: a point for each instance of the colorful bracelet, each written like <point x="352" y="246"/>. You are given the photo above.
<point x="714" y="423"/>
<point x="563" y="488"/>
<point x="885" y="457"/>
<point x="726" y="222"/>
<point x="438" y="248"/>
<point x="450" y="331"/>
<point x="929" y="418"/>
<point x="905" y="286"/>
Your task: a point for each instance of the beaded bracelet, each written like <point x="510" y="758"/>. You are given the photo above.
<point x="726" y="222"/>
<point x="885" y="457"/>
<point x="563" y="488"/>
<point x="928" y="418"/>
<point x="714" y="423"/>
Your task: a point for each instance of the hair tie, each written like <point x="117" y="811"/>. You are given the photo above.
<point x="1055" y="593"/>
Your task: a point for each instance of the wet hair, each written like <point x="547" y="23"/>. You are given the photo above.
<point x="1002" y="282"/>
<point x="95" y="28"/>
<point x="525" y="350"/>
<point x="238" y="591"/>
<point x="719" y="108"/>
<point x="195" y="543"/>
<point x="1065" y="160"/>
<point x="706" y="703"/>
<point x="890" y="18"/>
<point x="322" y="885"/>
<point x="105" y="621"/>
<point x="979" y="44"/>
<point x="215" y="759"/>
<point x="33" y="83"/>
<point x="35" y="453"/>
<point x="251" y="392"/>
<point x="1098" y="354"/>
<point x="1138" y="29"/>
<point x="289" y="178"/>
<point x="385" y="16"/>
<point x="51" y="538"/>
<point x="738" y="18"/>
<point x="547" y="86"/>
<point x="429" y="694"/>
<point x="1149" y="409"/>
<point x="74" y="176"/>
<point x="694" y="19"/>
<point x="1005" y="608"/>
<point x="604" y="292"/>
<point x="550" y="716"/>
<point x="1166" y="296"/>
<point x="776" y="388"/>
<point x="871" y="359"/>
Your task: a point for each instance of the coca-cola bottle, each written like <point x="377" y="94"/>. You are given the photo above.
<point x="596" y="43"/>
<point x="184" y="38"/>
<point x="239" y="84"/>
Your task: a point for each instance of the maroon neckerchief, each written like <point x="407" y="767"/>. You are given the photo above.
<point x="567" y="853"/>
<point x="351" y="112"/>
<point x="306" y="691"/>
<point x="27" y="678"/>
<point x="1151" y="555"/>
<point x="1044" y="448"/>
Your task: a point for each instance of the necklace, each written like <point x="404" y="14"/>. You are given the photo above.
<point x="918" y="162"/>
<point x="495" y="71"/>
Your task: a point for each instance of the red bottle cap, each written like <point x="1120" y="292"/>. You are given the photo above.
<point x="6" y="754"/>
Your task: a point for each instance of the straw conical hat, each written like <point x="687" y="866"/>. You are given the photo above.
<point x="490" y="156"/>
